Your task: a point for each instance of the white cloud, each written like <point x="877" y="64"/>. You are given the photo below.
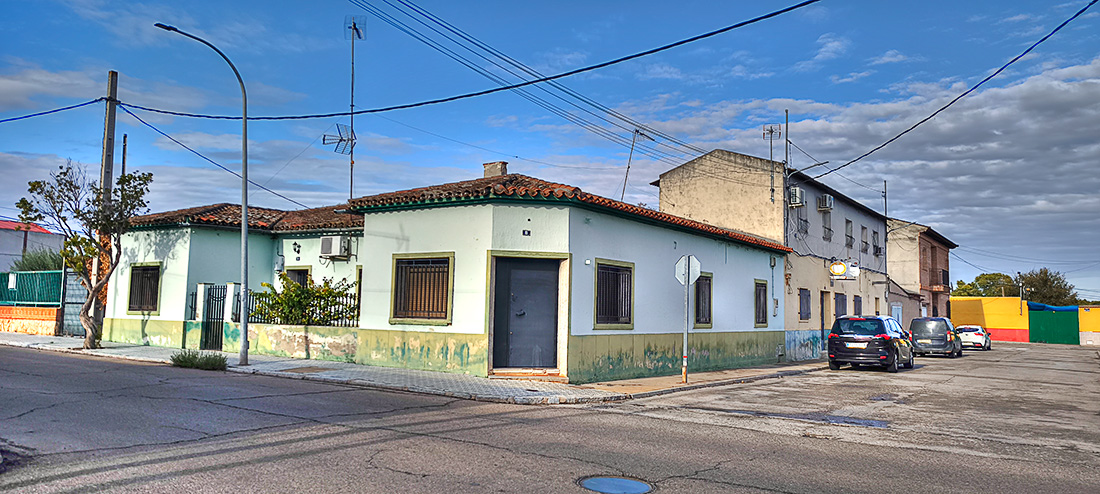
<point x="891" y="56"/>
<point x="830" y="47"/>
<point x="851" y="77"/>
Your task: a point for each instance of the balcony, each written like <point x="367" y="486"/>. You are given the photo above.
<point x="827" y="234"/>
<point x="803" y="225"/>
<point x="849" y="241"/>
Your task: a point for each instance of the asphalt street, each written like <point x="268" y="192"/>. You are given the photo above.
<point x="1020" y="418"/>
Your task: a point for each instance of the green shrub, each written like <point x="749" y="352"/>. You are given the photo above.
<point x="199" y="360"/>
<point x="38" y="260"/>
<point x="308" y="304"/>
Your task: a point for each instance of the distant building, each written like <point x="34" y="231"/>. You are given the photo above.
<point x="16" y="237"/>
<point x="820" y="224"/>
<point x="919" y="263"/>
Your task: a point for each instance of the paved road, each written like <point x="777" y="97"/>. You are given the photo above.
<point x="1016" y="419"/>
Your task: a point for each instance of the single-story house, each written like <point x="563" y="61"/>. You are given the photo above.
<point x="513" y="275"/>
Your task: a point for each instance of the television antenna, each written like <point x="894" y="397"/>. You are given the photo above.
<point x="771" y="133"/>
<point x="353" y="30"/>
<point x="345" y="141"/>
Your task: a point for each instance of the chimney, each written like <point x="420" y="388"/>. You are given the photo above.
<point x="496" y="169"/>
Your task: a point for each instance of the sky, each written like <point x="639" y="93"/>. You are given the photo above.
<point x="1011" y="172"/>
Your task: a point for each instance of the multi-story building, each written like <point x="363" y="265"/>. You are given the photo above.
<point x="821" y="225"/>
<point x="920" y="263"/>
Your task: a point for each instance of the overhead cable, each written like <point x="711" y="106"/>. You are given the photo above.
<point x="55" y="110"/>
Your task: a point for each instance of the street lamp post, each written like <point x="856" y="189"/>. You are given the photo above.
<point x="244" y="191"/>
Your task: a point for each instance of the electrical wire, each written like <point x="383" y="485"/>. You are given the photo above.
<point x="215" y="163"/>
<point x="975" y="266"/>
<point x="968" y="91"/>
<point x="55" y="110"/>
<point x="816" y="163"/>
<point x="280" y="170"/>
<point x="1012" y="257"/>
<point x="484" y="92"/>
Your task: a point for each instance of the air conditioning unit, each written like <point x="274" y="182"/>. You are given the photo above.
<point x="796" y="197"/>
<point x="335" y="246"/>
<point x="825" y="202"/>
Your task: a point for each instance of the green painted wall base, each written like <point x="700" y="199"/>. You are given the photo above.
<point x="169" y="334"/>
<point x="625" y="356"/>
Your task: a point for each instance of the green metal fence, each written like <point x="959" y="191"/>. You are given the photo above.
<point x="34" y="288"/>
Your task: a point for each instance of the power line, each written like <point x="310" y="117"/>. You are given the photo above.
<point x="1012" y="257"/>
<point x="816" y="162"/>
<point x="502" y="88"/>
<point x="975" y="266"/>
<point x="968" y="91"/>
<point x="280" y="170"/>
<point x="55" y="110"/>
<point x="215" y="163"/>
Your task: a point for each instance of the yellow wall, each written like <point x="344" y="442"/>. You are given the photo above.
<point x="990" y="312"/>
<point x="1089" y="318"/>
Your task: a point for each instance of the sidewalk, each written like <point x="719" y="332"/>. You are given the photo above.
<point x="428" y="382"/>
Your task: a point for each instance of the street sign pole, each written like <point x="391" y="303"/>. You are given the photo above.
<point x="687" y="271"/>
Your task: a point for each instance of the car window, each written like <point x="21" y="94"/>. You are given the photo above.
<point x="969" y="329"/>
<point x="858" y="326"/>
<point x="928" y="327"/>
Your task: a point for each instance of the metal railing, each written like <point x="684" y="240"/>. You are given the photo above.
<point x="34" y="288"/>
<point x="319" y="314"/>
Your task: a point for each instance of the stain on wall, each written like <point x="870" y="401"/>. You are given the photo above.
<point x="803" y="345"/>
<point x="448" y="352"/>
<point x="625" y="356"/>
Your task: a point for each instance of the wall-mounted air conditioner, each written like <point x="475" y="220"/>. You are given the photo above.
<point x="796" y="197"/>
<point x="335" y="246"/>
<point x="825" y="202"/>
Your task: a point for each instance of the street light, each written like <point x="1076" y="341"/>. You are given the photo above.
<point x="243" y="360"/>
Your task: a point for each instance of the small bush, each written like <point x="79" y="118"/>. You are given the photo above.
<point x="39" y="260"/>
<point x="199" y="360"/>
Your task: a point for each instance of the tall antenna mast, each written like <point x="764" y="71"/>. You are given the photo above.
<point x="629" y="158"/>
<point x="771" y="133"/>
<point x="353" y="25"/>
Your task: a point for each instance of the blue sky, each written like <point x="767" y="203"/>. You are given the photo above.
<point x="1010" y="173"/>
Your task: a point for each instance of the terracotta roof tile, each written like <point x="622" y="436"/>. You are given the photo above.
<point x="274" y="220"/>
<point x="522" y="186"/>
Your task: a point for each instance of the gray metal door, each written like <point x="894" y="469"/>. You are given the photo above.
<point x="525" y="329"/>
<point x="212" y="318"/>
<point x="75" y="295"/>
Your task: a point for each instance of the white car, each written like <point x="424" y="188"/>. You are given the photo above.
<point x="974" y="336"/>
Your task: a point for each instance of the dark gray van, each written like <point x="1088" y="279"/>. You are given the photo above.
<point x="935" y="335"/>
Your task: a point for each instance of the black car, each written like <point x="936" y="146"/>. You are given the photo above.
<point x="869" y="340"/>
<point x="935" y="335"/>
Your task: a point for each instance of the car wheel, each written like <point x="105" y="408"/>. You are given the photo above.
<point x="909" y="364"/>
<point x="833" y="365"/>
<point x="892" y="367"/>
<point x="988" y="346"/>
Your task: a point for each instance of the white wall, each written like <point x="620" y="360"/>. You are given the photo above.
<point x="170" y="248"/>
<point x="658" y="297"/>
<point x="11" y="245"/>
<point x="309" y="254"/>
<point x="465" y="230"/>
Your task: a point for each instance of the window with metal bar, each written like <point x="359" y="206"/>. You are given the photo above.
<point x="761" y="302"/>
<point x="421" y="288"/>
<point x="614" y="294"/>
<point x="144" y="288"/>
<point x="702" y="300"/>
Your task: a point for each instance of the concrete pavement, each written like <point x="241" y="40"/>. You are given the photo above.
<point x="527" y="392"/>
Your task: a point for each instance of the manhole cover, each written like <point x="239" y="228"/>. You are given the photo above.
<point x="615" y="485"/>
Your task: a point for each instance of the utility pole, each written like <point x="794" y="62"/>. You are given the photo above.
<point x="106" y="178"/>
<point x="771" y="133"/>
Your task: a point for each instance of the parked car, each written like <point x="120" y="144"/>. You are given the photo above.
<point x="975" y="336"/>
<point x="870" y="340"/>
<point x="935" y="335"/>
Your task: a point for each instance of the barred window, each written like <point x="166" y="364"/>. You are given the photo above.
<point x="144" y="288"/>
<point x="803" y="304"/>
<point x="761" y="296"/>
<point x="421" y="288"/>
<point x="703" y="299"/>
<point x="614" y="294"/>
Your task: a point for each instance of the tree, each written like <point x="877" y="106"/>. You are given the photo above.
<point x="988" y="285"/>
<point x="84" y="214"/>
<point x="1048" y="287"/>
<point x="307" y="304"/>
<point x="39" y="260"/>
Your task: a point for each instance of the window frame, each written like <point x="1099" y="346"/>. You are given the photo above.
<point x="130" y="288"/>
<point x="596" y="295"/>
<point x="857" y="305"/>
<point x="827" y="226"/>
<point x="710" y="302"/>
<point x="805" y="305"/>
<point x="838" y="298"/>
<point x="423" y="321"/>
<point x="306" y="268"/>
<point x="849" y="232"/>
<point x="757" y="284"/>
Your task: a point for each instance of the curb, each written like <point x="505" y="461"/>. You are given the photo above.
<point x="726" y="382"/>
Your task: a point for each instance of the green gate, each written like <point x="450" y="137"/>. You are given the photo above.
<point x="1054" y="327"/>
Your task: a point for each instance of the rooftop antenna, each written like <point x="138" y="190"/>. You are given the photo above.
<point x="344" y="141"/>
<point x="353" y="30"/>
<point x="771" y="133"/>
<point x="630" y="157"/>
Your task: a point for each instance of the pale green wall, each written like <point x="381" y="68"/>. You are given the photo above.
<point x="215" y="257"/>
